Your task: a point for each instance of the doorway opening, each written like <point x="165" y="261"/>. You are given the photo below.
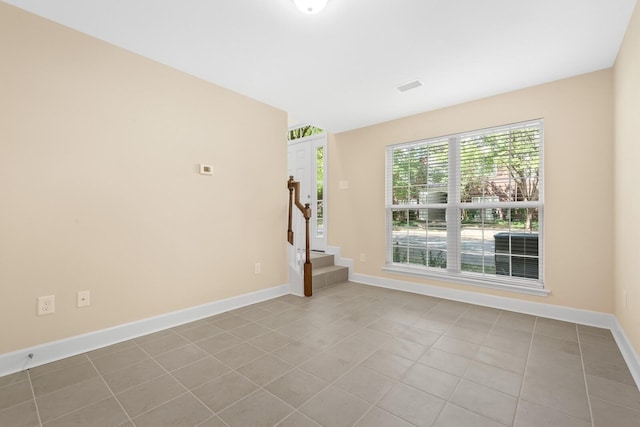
<point x="306" y="162"/>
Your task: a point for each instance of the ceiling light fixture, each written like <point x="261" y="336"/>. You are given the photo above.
<point x="310" y="7"/>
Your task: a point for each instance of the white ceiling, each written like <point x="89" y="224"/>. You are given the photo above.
<point x="339" y="69"/>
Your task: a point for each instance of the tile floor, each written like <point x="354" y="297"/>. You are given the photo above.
<point x="352" y="355"/>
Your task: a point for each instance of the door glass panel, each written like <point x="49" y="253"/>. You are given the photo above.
<point x="320" y="192"/>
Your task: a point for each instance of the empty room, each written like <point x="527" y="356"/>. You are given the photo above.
<point x="319" y="213"/>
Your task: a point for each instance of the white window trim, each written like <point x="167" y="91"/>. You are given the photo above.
<point x="453" y="206"/>
<point x="462" y="279"/>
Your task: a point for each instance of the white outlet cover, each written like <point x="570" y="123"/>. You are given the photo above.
<point x="46" y="305"/>
<point x="84" y="299"/>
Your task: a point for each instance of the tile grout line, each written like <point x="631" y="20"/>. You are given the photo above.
<point x="416" y="361"/>
<point x="110" y="391"/>
<point x="232" y="370"/>
<point x="398" y="381"/>
<point x="329" y="383"/>
<point x="35" y="401"/>
<point x="136" y="344"/>
<point x="448" y="400"/>
<point x="262" y="388"/>
<point x="167" y="372"/>
<point x="213" y="417"/>
<point x="187" y="390"/>
<point x="332" y="383"/>
<point x="291" y="414"/>
<point x="361" y="326"/>
<point x="524" y="372"/>
<point x="139" y="384"/>
<point x="65" y="388"/>
<point x="471" y="360"/>
<point x="603" y="398"/>
<point x="462" y="377"/>
<point x="584" y="376"/>
<point x="251" y="394"/>
<point x="57" y="417"/>
<point x="190" y="342"/>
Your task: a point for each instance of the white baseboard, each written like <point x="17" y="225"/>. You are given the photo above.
<point x="627" y="350"/>
<point x="50" y="352"/>
<point x="45" y="353"/>
<point x="575" y="315"/>
<point x="568" y="314"/>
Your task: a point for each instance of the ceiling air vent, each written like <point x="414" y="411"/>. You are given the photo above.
<point x="408" y="86"/>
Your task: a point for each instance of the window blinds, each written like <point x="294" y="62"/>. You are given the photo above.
<point x="469" y="204"/>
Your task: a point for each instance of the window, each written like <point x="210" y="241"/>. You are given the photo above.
<point x="302" y="132"/>
<point x="468" y="207"/>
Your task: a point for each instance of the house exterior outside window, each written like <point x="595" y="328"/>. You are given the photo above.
<point x="469" y="207"/>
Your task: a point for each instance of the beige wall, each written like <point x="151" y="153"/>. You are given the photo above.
<point x="627" y="169"/>
<point x="578" y="160"/>
<point x="99" y="189"/>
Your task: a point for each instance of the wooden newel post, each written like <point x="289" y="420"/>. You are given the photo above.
<point x="308" y="286"/>
<point x="291" y="186"/>
<point x="294" y="187"/>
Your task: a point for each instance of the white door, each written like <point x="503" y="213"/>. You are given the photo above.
<point x="303" y="165"/>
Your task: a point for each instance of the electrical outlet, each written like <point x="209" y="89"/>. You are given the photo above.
<point x="46" y="305"/>
<point x="363" y="257"/>
<point x="84" y="299"/>
<point x="257" y="269"/>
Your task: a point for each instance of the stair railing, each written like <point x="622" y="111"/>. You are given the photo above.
<point x="294" y="187"/>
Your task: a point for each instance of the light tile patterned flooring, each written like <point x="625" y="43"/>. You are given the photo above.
<point x="352" y="355"/>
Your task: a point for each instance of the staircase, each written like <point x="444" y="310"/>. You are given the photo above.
<point x="325" y="272"/>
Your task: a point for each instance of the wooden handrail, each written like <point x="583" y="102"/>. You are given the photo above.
<point x="294" y="187"/>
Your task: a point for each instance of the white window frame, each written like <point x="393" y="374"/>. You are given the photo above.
<point x="454" y="206"/>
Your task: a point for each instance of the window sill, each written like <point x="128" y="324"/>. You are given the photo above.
<point x="466" y="280"/>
